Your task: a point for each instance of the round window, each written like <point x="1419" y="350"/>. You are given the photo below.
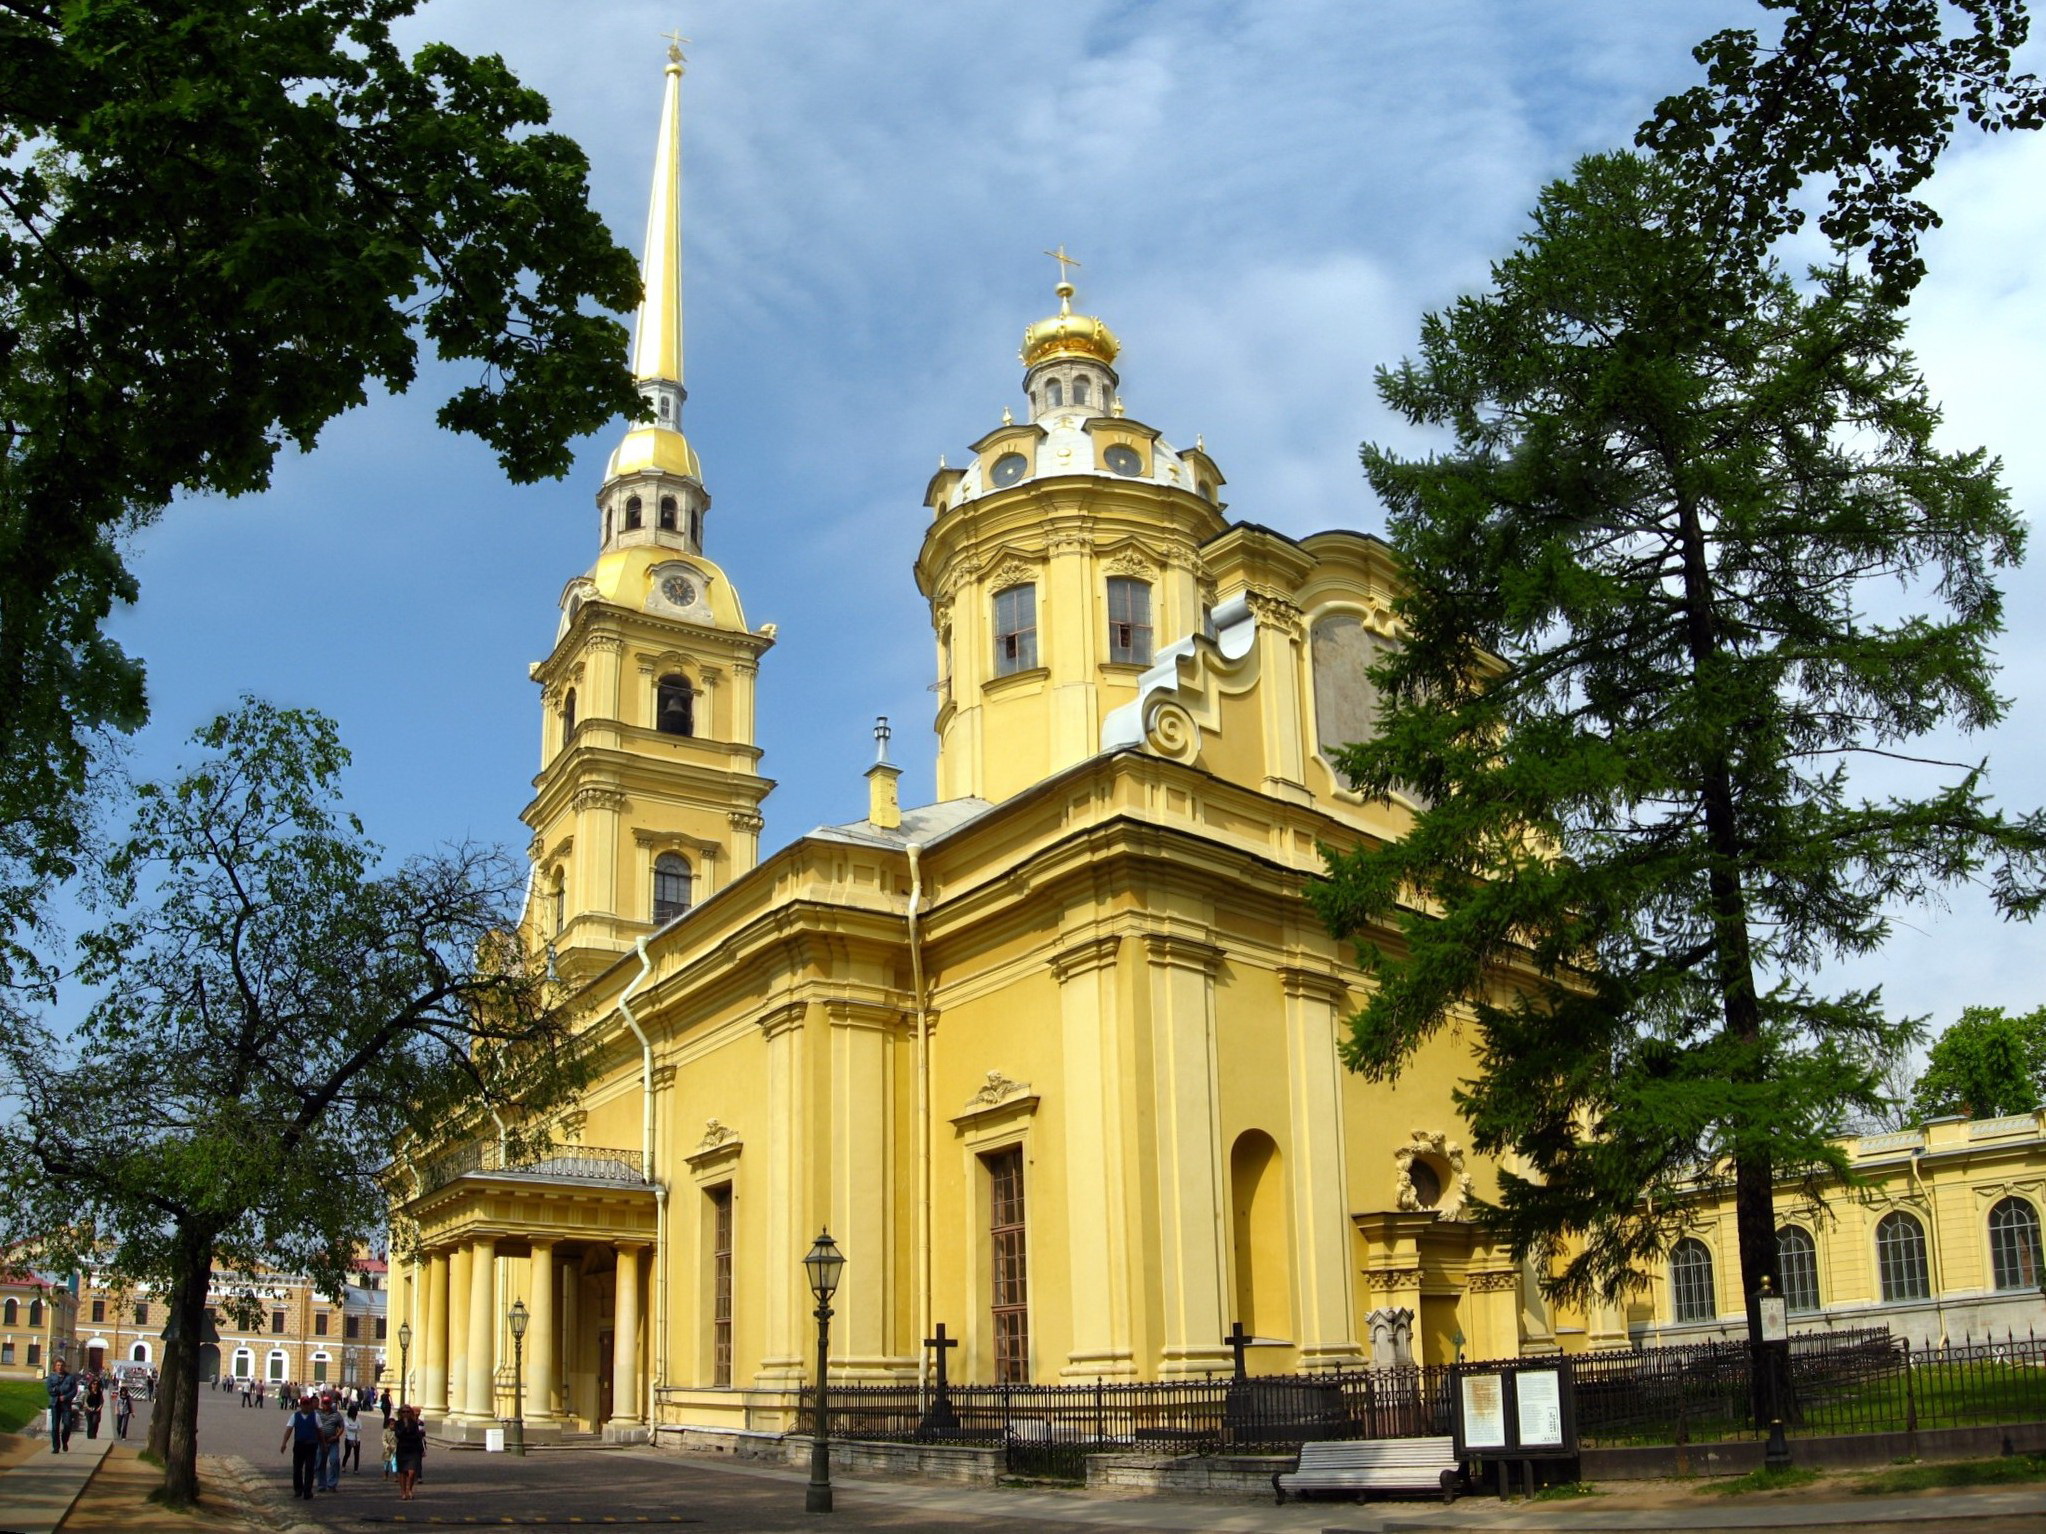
<point x="1427" y="1183"/>
<point x="1123" y="460"/>
<point x="1009" y="468"/>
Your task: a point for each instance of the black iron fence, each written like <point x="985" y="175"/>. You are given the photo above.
<point x="1863" y="1381"/>
<point x="1839" y="1383"/>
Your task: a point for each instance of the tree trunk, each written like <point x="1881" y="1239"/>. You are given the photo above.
<point x="166" y="1393"/>
<point x="181" y="1451"/>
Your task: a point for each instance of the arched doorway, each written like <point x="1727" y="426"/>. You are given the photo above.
<point x="96" y="1355"/>
<point x="209" y="1363"/>
<point x="1260" y="1246"/>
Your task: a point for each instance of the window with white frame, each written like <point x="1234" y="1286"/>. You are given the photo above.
<point x="1129" y="621"/>
<point x="2014" y="1245"/>
<point x="1015" y="630"/>
<point x="671" y="886"/>
<point x="1900" y="1257"/>
<point x="1692" y="1297"/>
<point x="1797" y="1260"/>
<point x="273" y="1368"/>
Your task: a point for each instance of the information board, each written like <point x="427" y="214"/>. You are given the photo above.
<point x="1775" y="1318"/>
<point x="1538" y="1398"/>
<point x="1484" y="1411"/>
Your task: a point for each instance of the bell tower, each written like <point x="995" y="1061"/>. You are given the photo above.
<point x="649" y="793"/>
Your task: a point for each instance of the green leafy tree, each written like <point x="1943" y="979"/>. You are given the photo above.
<point x="269" y="994"/>
<point x="1644" y="641"/>
<point x="1985" y="1065"/>
<point x="1860" y="95"/>
<point x="220" y="223"/>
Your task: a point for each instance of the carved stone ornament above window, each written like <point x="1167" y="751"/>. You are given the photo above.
<point x="1440" y="1184"/>
<point x="1012" y="572"/>
<point x="1132" y="563"/>
<point x="719" y="1147"/>
<point x="999" y="1096"/>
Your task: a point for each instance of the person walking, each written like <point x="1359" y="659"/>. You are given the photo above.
<point x="390" y="1447"/>
<point x="95" y="1403"/>
<point x="248" y="1394"/>
<point x="62" y="1386"/>
<point x="351" y="1438"/>
<point x="332" y="1427"/>
<point x="302" y="1437"/>
<point x="409" y="1449"/>
<point x="124" y="1408"/>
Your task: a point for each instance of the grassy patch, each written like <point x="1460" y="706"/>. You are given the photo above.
<point x="1972" y="1472"/>
<point x="21" y="1401"/>
<point x="1762" y="1480"/>
<point x="1568" y="1491"/>
<point x="151" y="1457"/>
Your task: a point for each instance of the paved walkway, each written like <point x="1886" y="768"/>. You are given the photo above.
<point x="247" y="1484"/>
<point x="38" y="1487"/>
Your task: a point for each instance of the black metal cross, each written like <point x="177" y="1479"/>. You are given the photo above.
<point x="1239" y="1339"/>
<point x="942" y="1344"/>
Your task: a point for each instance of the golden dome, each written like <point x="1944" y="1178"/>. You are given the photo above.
<point x="1067" y="334"/>
<point x="654" y="447"/>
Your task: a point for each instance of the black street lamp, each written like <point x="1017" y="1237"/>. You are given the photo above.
<point x="404" y="1358"/>
<point x="825" y="1262"/>
<point x="518" y="1331"/>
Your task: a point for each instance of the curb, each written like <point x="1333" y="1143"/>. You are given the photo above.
<point x="263" y="1504"/>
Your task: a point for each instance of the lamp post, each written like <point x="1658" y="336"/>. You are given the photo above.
<point x="824" y="1263"/>
<point x="404" y="1358"/>
<point x="518" y="1330"/>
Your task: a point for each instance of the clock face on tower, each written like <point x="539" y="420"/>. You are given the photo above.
<point x="679" y="589"/>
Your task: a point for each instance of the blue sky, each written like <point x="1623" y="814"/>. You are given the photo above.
<point x="1266" y="198"/>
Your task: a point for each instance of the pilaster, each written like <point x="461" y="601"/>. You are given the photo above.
<point x="1100" y="1271"/>
<point x="1318" y="1170"/>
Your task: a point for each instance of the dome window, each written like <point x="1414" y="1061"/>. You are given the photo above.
<point x="667" y="514"/>
<point x="632" y="516"/>
<point x="674" y="706"/>
<point x="1129" y="622"/>
<point x="1079" y="391"/>
<point x="696" y="529"/>
<point x="1054" y="396"/>
<point x="1009" y="468"/>
<point x="1015" y="630"/>
<point x="1124" y="460"/>
<point x="568" y="716"/>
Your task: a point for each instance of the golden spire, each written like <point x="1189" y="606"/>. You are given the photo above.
<point x="657" y="338"/>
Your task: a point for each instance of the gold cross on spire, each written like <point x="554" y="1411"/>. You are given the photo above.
<point x="1063" y="260"/>
<point x="675" y="42"/>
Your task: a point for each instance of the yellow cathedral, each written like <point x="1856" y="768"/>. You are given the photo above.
<point x="1054" y="1059"/>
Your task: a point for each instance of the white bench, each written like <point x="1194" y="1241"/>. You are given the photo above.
<point x="1375" y="1464"/>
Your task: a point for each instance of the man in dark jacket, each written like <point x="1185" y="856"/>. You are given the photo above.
<point x="63" y="1388"/>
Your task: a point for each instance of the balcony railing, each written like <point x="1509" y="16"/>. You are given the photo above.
<point x="562" y="1163"/>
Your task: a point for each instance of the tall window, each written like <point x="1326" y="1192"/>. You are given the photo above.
<point x="1129" y="621"/>
<point x="671" y="886"/>
<point x="351" y="1328"/>
<point x="382" y="1321"/>
<point x="1797" y="1259"/>
<point x="11" y="1311"/>
<point x="1690" y="1281"/>
<point x="320" y="1361"/>
<point x="721" y="1285"/>
<point x="35" y="1354"/>
<point x="1053" y="395"/>
<point x="244" y="1364"/>
<point x="142" y="1313"/>
<point x="274" y="1366"/>
<point x="668" y="513"/>
<point x="568" y="716"/>
<point x="320" y="1324"/>
<point x="1079" y="391"/>
<point x="632" y="518"/>
<point x="7" y="1351"/>
<point x="35" y="1312"/>
<point x="1900" y="1257"/>
<point x="2014" y="1245"/>
<point x="99" y="1312"/>
<point x="1015" y="629"/>
<point x="560" y="898"/>
<point x="277" y="1323"/>
<point x="675" y="706"/>
<point x="1011" y="1301"/>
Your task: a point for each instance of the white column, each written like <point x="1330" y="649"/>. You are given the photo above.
<point x="433" y="1336"/>
<point x="541" y="1339"/>
<point x="480" y="1398"/>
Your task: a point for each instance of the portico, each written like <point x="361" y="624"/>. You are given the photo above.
<point x="569" y="1234"/>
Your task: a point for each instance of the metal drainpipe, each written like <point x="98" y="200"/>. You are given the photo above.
<point x="923" y="1116"/>
<point x="646" y="1152"/>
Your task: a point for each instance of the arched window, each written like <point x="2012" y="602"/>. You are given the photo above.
<point x="139" y="1354"/>
<point x="35" y="1312"/>
<point x="244" y="1363"/>
<point x="671" y="887"/>
<point x="696" y="529"/>
<point x="10" y="1313"/>
<point x="320" y="1362"/>
<point x="2014" y="1245"/>
<point x="1015" y="629"/>
<point x="668" y="513"/>
<point x="631" y="512"/>
<point x="568" y="716"/>
<point x="674" y="706"/>
<point x="559" y="895"/>
<point x="273" y="1367"/>
<point x="607" y="526"/>
<point x="1797" y="1259"/>
<point x="1129" y="621"/>
<point x="1900" y="1257"/>
<point x="1690" y="1281"/>
<point x="1054" y="396"/>
<point x="1079" y="391"/>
